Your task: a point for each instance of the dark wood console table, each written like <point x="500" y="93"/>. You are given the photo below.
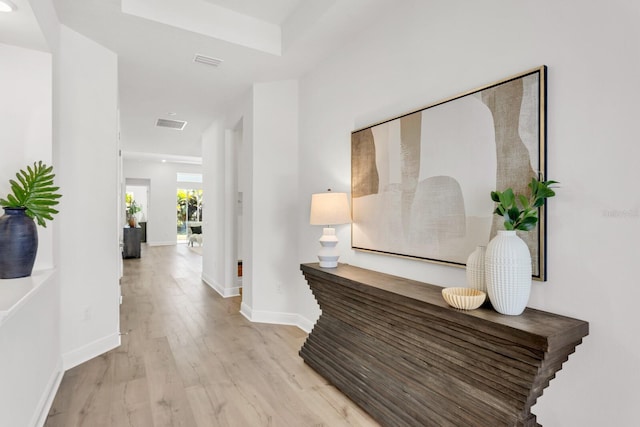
<point x="398" y="350"/>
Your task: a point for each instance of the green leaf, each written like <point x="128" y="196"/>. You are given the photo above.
<point x="519" y="211"/>
<point x="13" y="202"/>
<point x="507" y="198"/>
<point x="539" y="202"/>
<point x="546" y="193"/>
<point x="23" y="180"/>
<point x="523" y="201"/>
<point x="528" y="223"/>
<point x="513" y="213"/>
<point x="35" y="191"/>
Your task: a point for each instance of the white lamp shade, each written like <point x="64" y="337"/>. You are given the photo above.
<point x="329" y="209"/>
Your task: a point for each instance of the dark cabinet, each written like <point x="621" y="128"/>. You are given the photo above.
<point x="131" y="242"/>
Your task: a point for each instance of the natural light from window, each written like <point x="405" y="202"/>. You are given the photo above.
<point x="189" y="177"/>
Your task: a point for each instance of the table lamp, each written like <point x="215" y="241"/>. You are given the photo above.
<point x="329" y="209"/>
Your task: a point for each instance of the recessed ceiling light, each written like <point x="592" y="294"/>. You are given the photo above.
<point x="164" y="161"/>
<point x="171" y="113"/>
<point x="7" y="6"/>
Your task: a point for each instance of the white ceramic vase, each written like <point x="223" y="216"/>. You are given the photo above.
<point x="475" y="269"/>
<point x="508" y="273"/>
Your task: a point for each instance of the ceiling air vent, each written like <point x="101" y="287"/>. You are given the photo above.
<point x="207" y="60"/>
<point x="171" y="124"/>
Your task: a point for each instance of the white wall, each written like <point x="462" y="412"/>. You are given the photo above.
<point x="274" y="201"/>
<point x="427" y="51"/>
<point x="237" y="138"/>
<point x="86" y="157"/>
<point x="26" y="131"/>
<point x="264" y="166"/>
<point x="161" y="218"/>
<point x="215" y="223"/>
<point x="75" y="315"/>
<point x="30" y="357"/>
<point x="30" y="362"/>
<point x="219" y="262"/>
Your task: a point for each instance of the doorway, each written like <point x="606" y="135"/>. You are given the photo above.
<point x="137" y="192"/>
<point x="188" y="213"/>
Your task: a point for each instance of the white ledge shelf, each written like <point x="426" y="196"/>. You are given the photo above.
<point x="14" y="293"/>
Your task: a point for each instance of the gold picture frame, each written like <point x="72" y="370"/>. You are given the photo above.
<point x="421" y="182"/>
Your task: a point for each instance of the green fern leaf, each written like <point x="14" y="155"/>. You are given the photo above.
<point x="34" y="190"/>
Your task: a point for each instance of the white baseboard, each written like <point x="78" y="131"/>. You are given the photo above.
<point x="46" y="400"/>
<point x="277" y="318"/>
<point x="168" y="243"/>
<point x="224" y="292"/>
<point x="305" y="324"/>
<point x="89" y="351"/>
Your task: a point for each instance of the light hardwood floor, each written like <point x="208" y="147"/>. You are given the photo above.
<point x="189" y="358"/>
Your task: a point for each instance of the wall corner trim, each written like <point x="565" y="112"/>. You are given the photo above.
<point x="276" y="318"/>
<point x="225" y="292"/>
<point x="160" y="243"/>
<point x="46" y="400"/>
<point x="80" y="355"/>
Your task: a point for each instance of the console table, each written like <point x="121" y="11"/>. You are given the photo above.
<point x="131" y="242"/>
<point x="397" y="349"/>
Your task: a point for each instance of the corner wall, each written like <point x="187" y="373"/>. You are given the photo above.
<point x="218" y="167"/>
<point x="437" y="49"/>
<point x="273" y="205"/>
<point x="86" y="159"/>
<point x="265" y="167"/>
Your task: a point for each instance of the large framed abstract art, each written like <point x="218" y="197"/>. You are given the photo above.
<point x="421" y="182"/>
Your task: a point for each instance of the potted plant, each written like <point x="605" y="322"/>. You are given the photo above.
<point x="520" y="212"/>
<point x="507" y="258"/>
<point x="32" y="197"/>
<point x="132" y="210"/>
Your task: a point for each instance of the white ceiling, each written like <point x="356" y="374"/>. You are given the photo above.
<point x="20" y="27"/>
<point x="157" y="75"/>
<point x="273" y="11"/>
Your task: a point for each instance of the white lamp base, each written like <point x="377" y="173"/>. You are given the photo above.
<point x="328" y="254"/>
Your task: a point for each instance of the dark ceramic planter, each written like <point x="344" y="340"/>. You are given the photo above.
<point x="18" y="243"/>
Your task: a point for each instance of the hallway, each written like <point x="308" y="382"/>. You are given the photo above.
<point x="189" y="358"/>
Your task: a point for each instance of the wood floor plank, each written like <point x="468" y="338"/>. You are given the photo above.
<point x="189" y="358"/>
<point x="88" y="394"/>
<point x="130" y="404"/>
<point x="168" y="404"/>
<point x="216" y="406"/>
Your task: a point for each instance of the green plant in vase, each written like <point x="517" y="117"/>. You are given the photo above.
<point x="519" y="211"/>
<point x="132" y="210"/>
<point x="507" y="258"/>
<point x="32" y="197"/>
<point x="34" y="191"/>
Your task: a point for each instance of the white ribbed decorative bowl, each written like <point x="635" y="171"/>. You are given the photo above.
<point x="464" y="298"/>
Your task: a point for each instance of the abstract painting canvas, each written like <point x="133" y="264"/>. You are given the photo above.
<point x="421" y="182"/>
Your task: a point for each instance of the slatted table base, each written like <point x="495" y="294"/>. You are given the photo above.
<point x="396" y="349"/>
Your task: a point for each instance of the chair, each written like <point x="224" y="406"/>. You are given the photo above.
<point x="194" y="233"/>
